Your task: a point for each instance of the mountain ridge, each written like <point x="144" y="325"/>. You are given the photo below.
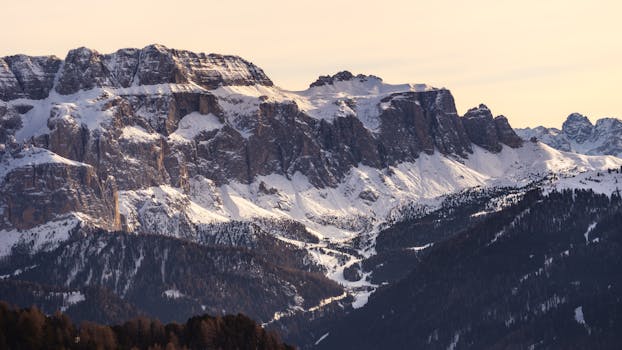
<point x="578" y="134"/>
<point x="83" y="68"/>
<point x="216" y="160"/>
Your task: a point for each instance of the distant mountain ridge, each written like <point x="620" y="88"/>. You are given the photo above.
<point x="578" y="134"/>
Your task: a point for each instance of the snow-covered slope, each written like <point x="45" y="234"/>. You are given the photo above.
<point x="360" y="97"/>
<point x="348" y="216"/>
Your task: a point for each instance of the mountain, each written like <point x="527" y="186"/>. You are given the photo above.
<point x="538" y="274"/>
<point x="176" y="183"/>
<point x="579" y="135"/>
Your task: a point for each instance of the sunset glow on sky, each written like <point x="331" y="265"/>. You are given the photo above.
<point x="533" y="61"/>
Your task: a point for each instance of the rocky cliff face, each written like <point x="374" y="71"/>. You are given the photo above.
<point x="27" y="77"/>
<point x="578" y="134"/>
<point x="506" y="134"/>
<point x="577" y="127"/>
<point x="489" y="132"/>
<point x="422" y="122"/>
<point x="155" y="64"/>
<point x="33" y="77"/>
<point x="340" y="76"/>
<point x="10" y="122"/>
<point x="157" y="116"/>
<point x="45" y="189"/>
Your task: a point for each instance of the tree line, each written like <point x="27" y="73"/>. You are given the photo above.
<point x="29" y="328"/>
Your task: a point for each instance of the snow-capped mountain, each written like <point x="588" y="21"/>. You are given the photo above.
<point x="205" y="149"/>
<point x="579" y="135"/>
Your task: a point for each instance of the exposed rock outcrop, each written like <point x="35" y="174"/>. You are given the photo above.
<point x="45" y="189"/>
<point x="481" y="128"/>
<point x="577" y="127"/>
<point x="30" y="77"/>
<point x="9" y="86"/>
<point x="155" y="64"/>
<point x="506" y="134"/>
<point x="341" y="76"/>
<point x="83" y="70"/>
<point x="10" y="121"/>
<point x="488" y="132"/>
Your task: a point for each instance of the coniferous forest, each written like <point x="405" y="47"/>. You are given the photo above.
<point x="541" y="274"/>
<point x="29" y="328"/>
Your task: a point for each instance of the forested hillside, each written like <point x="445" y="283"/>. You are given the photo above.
<point x="29" y="328"/>
<point x="542" y="274"/>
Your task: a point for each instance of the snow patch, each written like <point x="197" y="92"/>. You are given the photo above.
<point x="587" y="233"/>
<point x="173" y="294"/>
<point x="420" y="248"/>
<point x="454" y="342"/>
<point x="71" y="298"/>
<point x="361" y="298"/>
<point x="138" y="134"/>
<point x="17" y="272"/>
<point x="193" y="124"/>
<point x="30" y="156"/>
<point x="578" y="315"/>
<point x="321" y="338"/>
<point x="327" y="301"/>
<point x="44" y="237"/>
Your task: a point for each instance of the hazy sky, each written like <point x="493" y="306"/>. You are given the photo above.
<point x="534" y="61"/>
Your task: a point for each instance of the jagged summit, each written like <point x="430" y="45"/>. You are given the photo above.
<point x="579" y="134"/>
<point x="24" y="76"/>
<point x="578" y="127"/>
<point x="480" y="110"/>
<point x="342" y="76"/>
<point x="84" y="68"/>
<point x="489" y="132"/>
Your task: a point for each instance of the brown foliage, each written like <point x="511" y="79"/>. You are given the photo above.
<point x="29" y="329"/>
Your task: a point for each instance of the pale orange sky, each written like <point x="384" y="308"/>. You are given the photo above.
<point x="534" y="61"/>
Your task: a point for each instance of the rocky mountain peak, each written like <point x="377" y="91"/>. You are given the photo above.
<point x="506" y="134"/>
<point x="488" y="132"/>
<point x="577" y="118"/>
<point x="157" y="47"/>
<point x="342" y="76"/>
<point x="84" y="68"/>
<point x="608" y="125"/>
<point x="578" y="127"/>
<point x="481" y="111"/>
<point x="578" y="134"/>
<point x="24" y="76"/>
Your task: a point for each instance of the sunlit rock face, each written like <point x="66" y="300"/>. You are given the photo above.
<point x="27" y="77"/>
<point x="84" y="69"/>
